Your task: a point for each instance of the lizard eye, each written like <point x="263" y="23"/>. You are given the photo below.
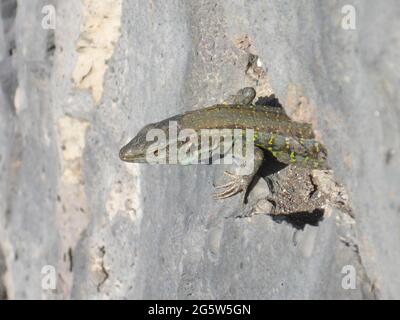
<point x="156" y="153"/>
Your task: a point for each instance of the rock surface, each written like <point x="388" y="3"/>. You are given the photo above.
<point x="74" y="89"/>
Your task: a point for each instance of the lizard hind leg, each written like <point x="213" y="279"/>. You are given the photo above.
<point x="244" y="96"/>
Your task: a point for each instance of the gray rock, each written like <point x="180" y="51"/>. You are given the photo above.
<point x="70" y="210"/>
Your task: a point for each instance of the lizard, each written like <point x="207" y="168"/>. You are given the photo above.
<point x="290" y="142"/>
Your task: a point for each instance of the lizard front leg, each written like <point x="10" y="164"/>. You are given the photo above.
<point x="240" y="183"/>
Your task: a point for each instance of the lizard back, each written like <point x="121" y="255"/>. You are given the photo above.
<point x="289" y="141"/>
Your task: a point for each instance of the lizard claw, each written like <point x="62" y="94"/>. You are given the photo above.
<point x="238" y="183"/>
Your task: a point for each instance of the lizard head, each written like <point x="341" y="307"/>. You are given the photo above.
<point x="135" y="150"/>
<point x="143" y="145"/>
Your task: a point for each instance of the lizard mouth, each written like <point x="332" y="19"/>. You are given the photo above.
<point x="127" y="156"/>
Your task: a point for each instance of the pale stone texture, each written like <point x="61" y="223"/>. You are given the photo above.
<point x="115" y="230"/>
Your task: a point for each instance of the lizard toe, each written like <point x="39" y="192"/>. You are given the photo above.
<point x="236" y="184"/>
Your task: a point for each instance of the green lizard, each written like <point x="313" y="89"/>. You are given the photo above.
<point x="290" y="142"/>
